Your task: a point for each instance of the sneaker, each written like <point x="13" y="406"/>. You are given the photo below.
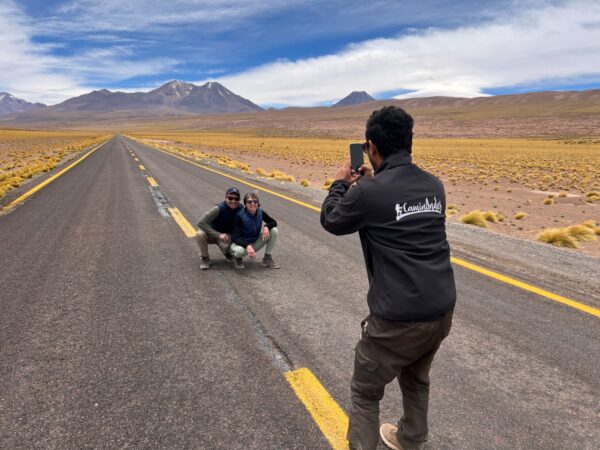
<point x="267" y="261"/>
<point x="239" y="264"/>
<point x="387" y="431"/>
<point x="229" y="257"/>
<point x="205" y="263"/>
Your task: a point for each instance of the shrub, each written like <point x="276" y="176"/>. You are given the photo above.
<point x="581" y="233"/>
<point x="305" y="183"/>
<point x="548" y="201"/>
<point x="474" y="218"/>
<point x="491" y="216"/>
<point x="327" y="184"/>
<point x="558" y="237"/>
<point x="520" y="215"/>
<point x="261" y="172"/>
<point x="590" y="224"/>
<point x="562" y="194"/>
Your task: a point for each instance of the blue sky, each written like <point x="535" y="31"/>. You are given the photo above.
<point x="299" y="52"/>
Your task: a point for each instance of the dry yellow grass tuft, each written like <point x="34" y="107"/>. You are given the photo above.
<point x="548" y="201"/>
<point x="581" y="233"/>
<point x="327" y="183"/>
<point x="520" y="215"/>
<point x="590" y="224"/>
<point x="476" y="218"/>
<point x="305" y="183"/>
<point x="558" y="237"/>
<point x="491" y="216"/>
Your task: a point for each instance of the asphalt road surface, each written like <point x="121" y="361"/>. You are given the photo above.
<point x="111" y="336"/>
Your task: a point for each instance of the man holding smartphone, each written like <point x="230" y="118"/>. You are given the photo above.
<point x="398" y="210"/>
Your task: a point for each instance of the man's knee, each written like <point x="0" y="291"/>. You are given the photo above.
<point x="273" y="233"/>
<point x="201" y="237"/>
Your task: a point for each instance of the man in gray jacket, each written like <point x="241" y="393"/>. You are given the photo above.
<point x="399" y="213"/>
<point x="216" y="226"/>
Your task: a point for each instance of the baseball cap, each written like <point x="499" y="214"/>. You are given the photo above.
<point x="233" y="190"/>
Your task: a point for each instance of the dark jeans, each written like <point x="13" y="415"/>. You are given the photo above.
<point x="389" y="350"/>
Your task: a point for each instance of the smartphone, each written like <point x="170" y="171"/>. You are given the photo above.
<point x="356" y="156"/>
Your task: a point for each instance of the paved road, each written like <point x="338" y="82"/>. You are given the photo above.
<point x="110" y="336"/>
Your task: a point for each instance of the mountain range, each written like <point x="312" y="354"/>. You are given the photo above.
<point x="174" y="97"/>
<point x="10" y="104"/>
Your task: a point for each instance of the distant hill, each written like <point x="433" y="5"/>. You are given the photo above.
<point x="170" y="98"/>
<point x="10" y="104"/>
<point x="354" y="98"/>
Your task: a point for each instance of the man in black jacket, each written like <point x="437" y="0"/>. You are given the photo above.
<point x="399" y="213"/>
<point x="216" y="226"/>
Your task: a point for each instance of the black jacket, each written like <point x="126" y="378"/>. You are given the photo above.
<point x="400" y="217"/>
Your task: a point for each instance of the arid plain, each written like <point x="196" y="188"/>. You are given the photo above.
<point x="530" y="163"/>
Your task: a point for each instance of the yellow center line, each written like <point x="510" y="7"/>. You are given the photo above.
<point x="142" y="167"/>
<point x="136" y="159"/>
<point x="46" y="182"/>
<point x="329" y="417"/>
<point x="152" y="182"/>
<point x="183" y="223"/>
<point x="503" y="278"/>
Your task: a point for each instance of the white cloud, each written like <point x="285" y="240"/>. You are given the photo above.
<point x="144" y="15"/>
<point x="550" y="42"/>
<point x="31" y="71"/>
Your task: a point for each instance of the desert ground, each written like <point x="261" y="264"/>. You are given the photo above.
<point x="528" y="185"/>
<point x="529" y="162"/>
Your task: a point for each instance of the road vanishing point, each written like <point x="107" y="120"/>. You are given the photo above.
<point x="111" y="336"/>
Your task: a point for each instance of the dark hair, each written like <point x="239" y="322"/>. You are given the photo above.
<point x="390" y="129"/>
<point x="253" y="195"/>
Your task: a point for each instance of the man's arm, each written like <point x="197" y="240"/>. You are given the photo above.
<point x="205" y="221"/>
<point x="342" y="212"/>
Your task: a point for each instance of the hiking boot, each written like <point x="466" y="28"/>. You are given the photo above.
<point x="239" y="264"/>
<point x="387" y="431"/>
<point x="267" y="261"/>
<point x="229" y="257"/>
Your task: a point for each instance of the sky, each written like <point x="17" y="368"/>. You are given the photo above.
<point x="299" y="52"/>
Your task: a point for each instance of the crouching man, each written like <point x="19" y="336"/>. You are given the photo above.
<point x="250" y="235"/>
<point x="216" y="226"/>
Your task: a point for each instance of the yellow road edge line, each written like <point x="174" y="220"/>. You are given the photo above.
<point x="329" y="417"/>
<point x="142" y="167"/>
<point x="152" y="182"/>
<point x="511" y="281"/>
<point x="46" y="182"/>
<point x="527" y="287"/>
<point x="239" y="180"/>
<point x="183" y="223"/>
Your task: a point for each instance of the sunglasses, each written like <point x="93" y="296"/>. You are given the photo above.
<point x="252" y="202"/>
<point x="233" y="199"/>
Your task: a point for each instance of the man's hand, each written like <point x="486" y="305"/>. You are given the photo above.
<point x="265" y="234"/>
<point x="251" y="252"/>
<point x="345" y="173"/>
<point x="224" y="237"/>
<point x="366" y="170"/>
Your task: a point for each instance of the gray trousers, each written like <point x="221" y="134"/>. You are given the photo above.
<point x="203" y="240"/>
<point x="391" y="350"/>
